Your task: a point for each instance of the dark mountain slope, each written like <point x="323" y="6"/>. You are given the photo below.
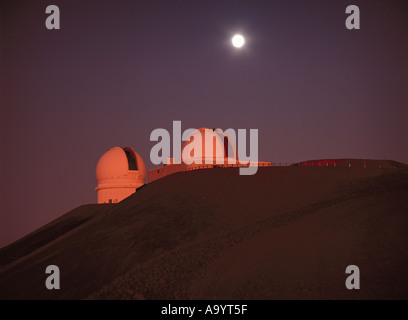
<point x="286" y="232"/>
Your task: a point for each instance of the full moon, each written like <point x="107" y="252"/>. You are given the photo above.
<point x="238" y="41"/>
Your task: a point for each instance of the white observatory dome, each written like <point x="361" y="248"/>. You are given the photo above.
<point x="119" y="172"/>
<point x="209" y="146"/>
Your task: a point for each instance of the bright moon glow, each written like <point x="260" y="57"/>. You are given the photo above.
<point x="238" y="41"/>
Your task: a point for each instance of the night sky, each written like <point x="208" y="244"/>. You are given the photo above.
<point x="116" y="70"/>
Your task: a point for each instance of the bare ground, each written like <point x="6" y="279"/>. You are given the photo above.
<point x="285" y="233"/>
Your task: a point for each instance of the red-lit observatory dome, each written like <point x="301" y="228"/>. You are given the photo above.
<point x="119" y="172"/>
<point x="209" y="146"/>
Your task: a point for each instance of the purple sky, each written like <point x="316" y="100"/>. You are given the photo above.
<point x="116" y="70"/>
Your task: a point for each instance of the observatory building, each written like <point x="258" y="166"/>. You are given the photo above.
<point x="206" y="148"/>
<point x="209" y="146"/>
<point x="119" y="172"/>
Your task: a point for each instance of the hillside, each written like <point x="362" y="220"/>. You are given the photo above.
<point x="284" y="233"/>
